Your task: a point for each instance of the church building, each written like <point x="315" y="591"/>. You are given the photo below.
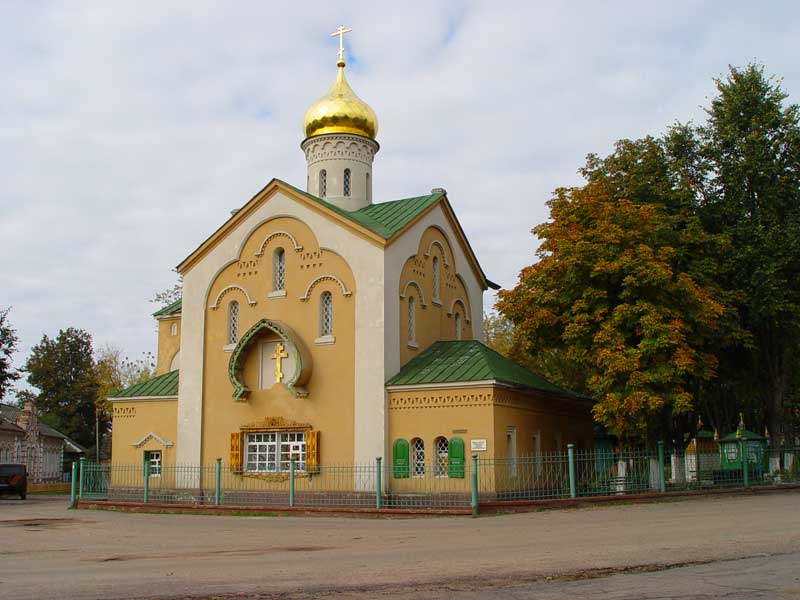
<point x="330" y="327"/>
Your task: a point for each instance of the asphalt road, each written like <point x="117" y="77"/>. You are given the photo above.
<point x="732" y="547"/>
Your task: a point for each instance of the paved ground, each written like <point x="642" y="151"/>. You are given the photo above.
<point x="732" y="547"/>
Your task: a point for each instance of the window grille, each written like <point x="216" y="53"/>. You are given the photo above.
<point x="442" y="449"/>
<point x="323" y="183"/>
<point x="412" y="321"/>
<point x="154" y="460"/>
<point x="346" y="182"/>
<point x="417" y="457"/>
<point x="233" y="322"/>
<point x="326" y="314"/>
<point x="278" y="270"/>
<point x="436" y="278"/>
<point x="458" y="326"/>
<point x="272" y="452"/>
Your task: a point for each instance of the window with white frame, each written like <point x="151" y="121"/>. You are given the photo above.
<point x="346" y="182"/>
<point x="173" y="329"/>
<point x="412" y="321"/>
<point x="272" y="452"/>
<point x="458" y="326"/>
<point x="326" y="314"/>
<point x="435" y="278"/>
<point x="442" y="449"/>
<point x="278" y="270"/>
<point x="153" y="459"/>
<point x="323" y="183"/>
<point x="233" y="322"/>
<point x="417" y="457"/>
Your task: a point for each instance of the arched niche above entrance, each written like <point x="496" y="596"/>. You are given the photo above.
<point x="291" y="350"/>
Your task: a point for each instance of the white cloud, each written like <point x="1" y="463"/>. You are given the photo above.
<point x="129" y="130"/>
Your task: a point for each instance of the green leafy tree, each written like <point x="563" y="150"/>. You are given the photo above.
<point x="63" y="371"/>
<point x="8" y="345"/>
<point x="115" y="372"/>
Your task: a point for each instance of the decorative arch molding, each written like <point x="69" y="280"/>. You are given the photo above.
<point x="230" y="288"/>
<point x="441" y="250"/>
<point x="321" y="278"/>
<point x="452" y="310"/>
<point x="273" y="235"/>
<point x="302" y="359"/>
<point x="153" y="436"/>
<point x="404" y="293"/>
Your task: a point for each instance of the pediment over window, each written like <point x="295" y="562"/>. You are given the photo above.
<point x="153" y="436"/>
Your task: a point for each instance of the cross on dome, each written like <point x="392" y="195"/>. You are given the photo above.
<point x="340" y="32"/>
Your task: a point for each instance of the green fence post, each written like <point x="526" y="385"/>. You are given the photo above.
<point x="291" y="482"/>
<point x="571" y="459"/>
<point x="80" y="476"/>
<point x="745" y="458"/>
<point x="662" y="484"/>
<point x="217" y="478"/>
<point x="378" y="483"/>
<point x="146" y="470"/>
<point x="73" y="487"/>
<point x="473" y="477"/>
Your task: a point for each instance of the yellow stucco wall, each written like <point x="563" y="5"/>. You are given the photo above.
<point x="133" y="420"/>
<point x="435" y="317"/>
<point x="168" y="344"/>
<point x="329" y="406"/>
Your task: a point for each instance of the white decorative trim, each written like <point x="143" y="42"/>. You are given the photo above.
<point x="413" y="345"/>
<point x="325" y="340"/>
<point x="227" y="289"/>
<point x="419" y="289"/>
<point x="143" y="398"/>
<point x="274" y="234"/>
<point x="453" y="308"/>
<point x="441" y="249"/>
<point x="277" y="294"/>
<point x="441" y="386"/>
<point x="228" y="347"/>
<point x="312" y="285"/>
<point x="153" y="435"/>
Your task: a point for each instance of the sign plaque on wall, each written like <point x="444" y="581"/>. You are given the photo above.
<point x="477" y="445"/>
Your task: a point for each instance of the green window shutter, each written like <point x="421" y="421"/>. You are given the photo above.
<point x="400" y="459"/>
<point x="455" y="458"/>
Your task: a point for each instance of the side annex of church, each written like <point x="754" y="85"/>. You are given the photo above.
<point x="319" y="326"/>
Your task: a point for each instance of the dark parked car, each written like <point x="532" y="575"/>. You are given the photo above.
<point x="14" y="480"/>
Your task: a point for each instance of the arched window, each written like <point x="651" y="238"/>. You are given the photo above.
<point x="173" y="329"/>
<point x="323" y="183"/>
<point x="233" y="322"/>
<point x="412" y="320"/>
<point x="346" y="182"/>
<point x="369" y="189"/>
<point x="278" y="270"/>
<point x="326" y="314"/>
<point x="442" y="449"/>
<point x="436" y="278"/>
<point x="458" y="326"/>
<point x="417" y="458"/>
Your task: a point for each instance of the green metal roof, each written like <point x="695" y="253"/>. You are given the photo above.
<point x="384" y="218"/>
<point x="468" y="360"/>
<point x="169" y="309"/>
<point x="163" y="385"/>
<point x="742" y="434"/>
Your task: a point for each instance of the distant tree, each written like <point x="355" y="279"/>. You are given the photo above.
<point x="498" y="332"/>
<point x="63" y="371"/>
<point x="169" y="295"/>
<point x="116" y="372"/>
<point x="8" y="345"/>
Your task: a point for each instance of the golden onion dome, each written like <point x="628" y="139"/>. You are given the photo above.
<point x="340" y="111"/>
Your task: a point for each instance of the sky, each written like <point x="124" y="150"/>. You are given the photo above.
<point x="130" y="130"/>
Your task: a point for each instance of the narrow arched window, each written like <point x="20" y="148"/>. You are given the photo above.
<point x="278" y="270"/>
<point x="458" y="326"/>
<point x="442" y="449"/>
<point x="326" y="314"/>
<point x="233" y="322"/>
<point x="436" y="278"/>
<point x="369" y="190"/>
<point x="412" y="320"/>
<point x="417" y="458"/>
<point x="173" y="329"/>
<point x="346" y="182"/>
<point x="323" y="183"/>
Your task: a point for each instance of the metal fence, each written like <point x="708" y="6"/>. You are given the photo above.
<point x="547" y="476"/>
